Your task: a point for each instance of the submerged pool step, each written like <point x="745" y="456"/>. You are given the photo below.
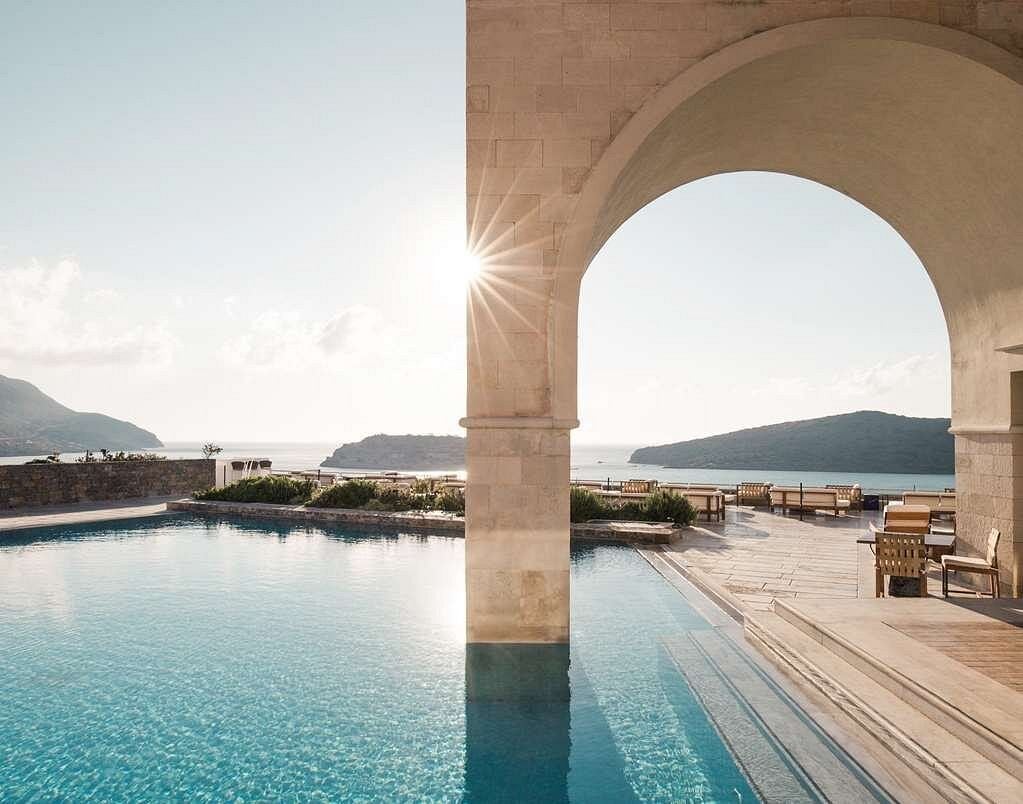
<point x="931" y="763"/>
<point x="784" y="755"/>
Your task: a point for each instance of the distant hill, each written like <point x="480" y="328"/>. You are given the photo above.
<point x="402" y="452"/>
<point x="31" y="423"/>
<point x="865" y="441"/>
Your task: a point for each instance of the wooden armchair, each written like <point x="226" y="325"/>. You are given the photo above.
<point x="899" y="555"/>
<point x="982" y="566"/>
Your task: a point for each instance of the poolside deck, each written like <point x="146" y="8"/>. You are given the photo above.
<point x="72" y="514"/>
<point x="931" y="687"/>
<point x="757" y="556"/>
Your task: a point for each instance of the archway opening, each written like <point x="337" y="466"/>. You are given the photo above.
<point x="746" y="299"/>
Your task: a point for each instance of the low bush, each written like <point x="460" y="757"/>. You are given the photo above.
<point x="266" y="489"/>
<point x="450" y="500"/>
<point x="585" y="505"/>
<point x="105" y="456"/>
<point x="661" y="506"/>
<point x="350" y="494"/>
<point x="370" y="496"/>
<point x="399" y="498"/>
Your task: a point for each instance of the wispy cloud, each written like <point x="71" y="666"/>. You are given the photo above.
<point x="42" y="321"/>
<point x="882" y="378"/>
<point x="289" y="341"/>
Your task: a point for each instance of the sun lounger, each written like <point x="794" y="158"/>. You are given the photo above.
<point x="754" y="494"/>
<point x="940" y="502"/>
<point x="708" y="501"/>
<point x="729" y="499"/>
<point x="853" y="493"/>
<point x="792" y="498"/>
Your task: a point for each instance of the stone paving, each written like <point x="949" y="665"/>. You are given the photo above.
<point x="759" y="556"/>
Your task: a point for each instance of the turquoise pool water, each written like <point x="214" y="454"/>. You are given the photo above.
<point x="220" y="660"/>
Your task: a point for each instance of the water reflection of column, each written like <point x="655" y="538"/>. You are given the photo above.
<point x="517" y="720"/>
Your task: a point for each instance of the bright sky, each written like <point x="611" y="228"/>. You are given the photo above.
<point x="242" y="221"/>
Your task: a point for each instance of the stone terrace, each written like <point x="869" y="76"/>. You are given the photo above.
<point x="758" y="556"/>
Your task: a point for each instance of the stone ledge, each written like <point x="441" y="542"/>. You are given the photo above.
<point x="642" y="532"/>
<point x="299" y="513"/>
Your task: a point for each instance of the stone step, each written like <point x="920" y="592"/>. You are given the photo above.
<point x="785" y="755"/>
<point x="959" y="712"/>
<point x="928" y="761"/>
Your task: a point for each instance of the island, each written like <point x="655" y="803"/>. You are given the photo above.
<point x="864" y="441"/>
<point x="401" y="452"/>
<point x="32" y="423"/>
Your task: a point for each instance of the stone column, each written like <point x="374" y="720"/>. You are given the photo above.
<point x="517" y="531"/>
<point x="989" y="494"/>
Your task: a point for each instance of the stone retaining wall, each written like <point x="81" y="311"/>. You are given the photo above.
<point x="29" y="485"/>
<point x="409" y="520"/>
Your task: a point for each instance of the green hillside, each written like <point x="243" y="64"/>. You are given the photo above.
<point x="31" y="423"/>
<point x="401" y="452"/>
<point x="865" y="441"/>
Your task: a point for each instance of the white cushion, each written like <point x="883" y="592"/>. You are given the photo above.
<point x="965" y="562"/>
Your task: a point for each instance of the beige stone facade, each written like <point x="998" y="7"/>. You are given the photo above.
<point x="579" y="114"/>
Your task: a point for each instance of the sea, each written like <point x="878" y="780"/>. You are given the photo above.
<point x="589" y="462"/>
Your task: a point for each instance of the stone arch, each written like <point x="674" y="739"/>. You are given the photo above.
<point x="915" y="121"/>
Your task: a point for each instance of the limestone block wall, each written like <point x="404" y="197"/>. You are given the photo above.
<point x="550" y="84"/>
<point x="989" y="491"/>
<point x="517" y="535"/>
<point x="64" y="483"/>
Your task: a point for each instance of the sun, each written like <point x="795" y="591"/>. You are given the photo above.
<point x="470" y="266"/>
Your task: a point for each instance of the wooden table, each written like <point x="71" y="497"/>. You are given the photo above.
<point x="937" y="544"/>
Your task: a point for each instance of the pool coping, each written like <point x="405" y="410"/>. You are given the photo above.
<point x="437" y="521"/>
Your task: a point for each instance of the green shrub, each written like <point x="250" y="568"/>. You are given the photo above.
<point x="399" y="498"/>
<point x="106" y="456"/>
<point x="584" y="505"/>
<point x="450" y="500"/>
<point x="422" y="485"/>
<point x="266" y="489"/>
<point x="658" y="507"/>
<point x="664" y="507"/>
<point x="350" y="494"/>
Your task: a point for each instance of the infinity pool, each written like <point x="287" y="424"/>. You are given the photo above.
<point x="180" y="658"/>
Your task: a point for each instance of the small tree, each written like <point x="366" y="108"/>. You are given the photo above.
<point x="209" y="449"/>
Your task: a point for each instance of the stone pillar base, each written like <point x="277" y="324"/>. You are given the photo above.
<point x="989" y="494"/>
<point x="517" y="532"/>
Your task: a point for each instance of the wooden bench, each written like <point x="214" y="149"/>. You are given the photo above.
<point x="792" y="498"/>
<point x="853" y="493"/>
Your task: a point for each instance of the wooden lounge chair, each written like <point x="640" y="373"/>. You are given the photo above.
<point x="792" y="498"/>
<point x="982" y="566"/>
<point x="707" y="488"/>
<point x="640" y="487"/>
<point x="939" y="502"/>
<point x="754" y="494"/>
<point x="899" y="555"/>
<point x="707" y="501"/>
<point x="853" y="493"/>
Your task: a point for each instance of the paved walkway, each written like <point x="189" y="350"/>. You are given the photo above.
<point x="759" y="556"/>
<point x="46" y="516"/>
